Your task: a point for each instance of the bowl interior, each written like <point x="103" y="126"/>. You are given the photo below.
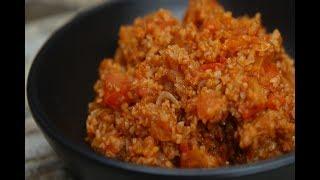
<point x="65" y="70"/>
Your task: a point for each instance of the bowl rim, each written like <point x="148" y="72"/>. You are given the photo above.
<point x="43" y="122"/>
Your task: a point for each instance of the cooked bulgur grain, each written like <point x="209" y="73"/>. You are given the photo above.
<point x="212" y="90"/>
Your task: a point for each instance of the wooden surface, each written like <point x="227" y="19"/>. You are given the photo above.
<point x="40" y="160"/>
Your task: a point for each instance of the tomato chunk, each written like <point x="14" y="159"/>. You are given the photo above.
<point x="161" y="130"/>
<point x="211" y="107"/>
<point x="116" y="90"/>
<point x="250" y="112"/>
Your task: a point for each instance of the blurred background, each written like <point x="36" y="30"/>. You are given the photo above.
<point x="42" y="18"/>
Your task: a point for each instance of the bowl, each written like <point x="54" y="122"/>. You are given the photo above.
<point x="61" y="79"/>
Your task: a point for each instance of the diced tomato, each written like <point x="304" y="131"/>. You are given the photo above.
<point x="269" y="71"/>
<point x="256" y="100"/>
<point x="142" y="92"/>
<point x="114" y="99"/>
<point x="211" y="107"/>
<point x="250" y="112"/>
<point x="272" y="105"/>
<point x="275" y="102"/>
<point x="116" y="89"/>
<point x="184" y="147"/>
<point x="161" y="130"/>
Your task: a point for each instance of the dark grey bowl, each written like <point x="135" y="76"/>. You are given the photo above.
<point x="63" y="73"/>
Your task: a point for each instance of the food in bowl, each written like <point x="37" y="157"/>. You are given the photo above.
<point x="210" y="91"/>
